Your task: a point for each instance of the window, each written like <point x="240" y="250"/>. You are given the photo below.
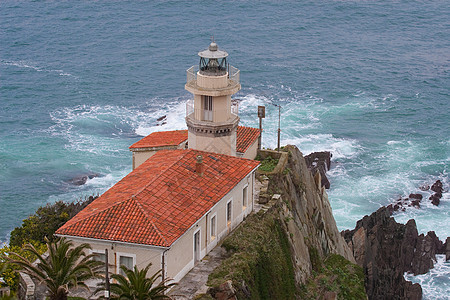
<point x="207" y="108"/>
<point x="99" y="256"/>
<point x="244" y="197"/>
<point x="213" y="227"/>
<point x="229" y="211"/>
<point x="127" y="261"/>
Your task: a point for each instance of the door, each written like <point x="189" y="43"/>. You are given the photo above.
<point x="197" y="246"/>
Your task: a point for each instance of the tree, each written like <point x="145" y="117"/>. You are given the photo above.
<point x="136" y="286"/>
<point x="64" y="268"/>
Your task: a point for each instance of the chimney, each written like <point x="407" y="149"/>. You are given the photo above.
<point x="199" y="167"/>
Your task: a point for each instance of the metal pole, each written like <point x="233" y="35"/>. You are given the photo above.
<point x="260" y="133"/>
<point x="107" y="291"/>
<point x="279" y="130"/>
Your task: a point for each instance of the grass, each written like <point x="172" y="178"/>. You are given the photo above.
<point x="335" y="274"/>
<point x="268" y="164"/>
<point x="260" y="264"/>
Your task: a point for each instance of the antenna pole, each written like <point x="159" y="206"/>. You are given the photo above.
<point x="279" y="130"/>
<point x="107" y="291"/>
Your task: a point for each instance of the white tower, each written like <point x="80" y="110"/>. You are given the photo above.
<point x="211" y="117"/>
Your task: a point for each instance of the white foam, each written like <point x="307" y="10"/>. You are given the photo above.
<point x="340" y="148"/>
<point x="436" y="283"/>
<point x="33" y="66"/>
<point x="175" y="113"/>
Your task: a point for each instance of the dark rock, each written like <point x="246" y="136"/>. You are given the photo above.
<point x="387" y="249"/>
<point x="80" y="180"/>
<point x="320" y="162"/>
<point x="437" y="187"/>
<point x="446" y="247"/>
<point x="161" y="118"/>
<point x="416" y="203"/>
<point x="435" y="198"/>
<point x="415" y="196"/>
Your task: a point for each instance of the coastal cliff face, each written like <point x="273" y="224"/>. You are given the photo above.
<point x="387" y="249"/>
<point x="310" y="224"/>
<point x="277" y="253"/>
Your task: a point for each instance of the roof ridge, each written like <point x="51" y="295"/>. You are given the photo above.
<point x="150" y="220"/>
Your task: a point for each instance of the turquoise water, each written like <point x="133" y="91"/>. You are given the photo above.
<point x="369" y="81"/>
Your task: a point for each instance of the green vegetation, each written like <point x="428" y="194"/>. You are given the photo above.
<point x="136" y="286"/>
<point x="9" y="271"/>
<point x="337" y="275"/>
<point x="34" y="229"/>
<point x="260" y="264"/>
<point x="45" y="222"/>
<point x="268" y="164"/>
<point x="64" y="268"/>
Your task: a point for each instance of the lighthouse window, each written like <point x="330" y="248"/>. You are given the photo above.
<point x="207" y="108"/>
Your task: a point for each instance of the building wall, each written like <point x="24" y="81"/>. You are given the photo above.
<point x="142" y="254"/>
<point x="222" y="144"/>
<point x="179" y="258"/>
<point x="252" y="151"/>
<point x="141" y="155"/>
<point x="212" y="82"/>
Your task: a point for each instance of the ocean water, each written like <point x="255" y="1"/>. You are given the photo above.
<point x="367" y="80"/>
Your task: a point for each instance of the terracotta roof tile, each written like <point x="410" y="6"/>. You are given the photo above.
<point x="162" y="138"/>
<point x="245" y="137"/>
<point x="161" y="199"/>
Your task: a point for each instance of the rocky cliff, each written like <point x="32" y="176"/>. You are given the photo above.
<point x="387" y="249"/>
<point x="274" y="254"/>
<point x="311" y="224"/>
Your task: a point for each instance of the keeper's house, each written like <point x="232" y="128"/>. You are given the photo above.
<point x="188" y="188"/>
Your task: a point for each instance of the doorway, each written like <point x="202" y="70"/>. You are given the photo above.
<point x="196" y="246"/>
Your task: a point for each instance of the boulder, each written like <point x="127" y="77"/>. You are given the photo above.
<point x="437" y="187"/>
<point x="81" y="179"/>
<point x="415" y="196"/>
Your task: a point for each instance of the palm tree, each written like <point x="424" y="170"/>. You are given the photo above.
<point x="65" y="267"/>
<point x="136" y="286"/>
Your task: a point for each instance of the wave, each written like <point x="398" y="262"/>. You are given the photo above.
<point x="33" y="66"/>
<point x="436" y="283"/>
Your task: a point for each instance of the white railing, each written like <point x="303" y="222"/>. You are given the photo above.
<point x="210" y="115"/>
<point x="234" y="74"/>
<point x="191" y="74"/>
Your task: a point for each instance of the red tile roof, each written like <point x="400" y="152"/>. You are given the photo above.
<point x="245" y="137"/>
<point x="162" y="138"/>
<point x="158" y="201"/>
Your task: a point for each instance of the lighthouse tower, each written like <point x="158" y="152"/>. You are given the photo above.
<point x="212" y="117"/>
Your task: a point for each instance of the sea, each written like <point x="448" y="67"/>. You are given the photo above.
<point x="80" y="81"/>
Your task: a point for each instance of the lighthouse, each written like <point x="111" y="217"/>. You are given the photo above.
<point x="212" y="116"/>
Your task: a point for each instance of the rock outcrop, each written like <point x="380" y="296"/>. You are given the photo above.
<point x="387" y="249"/>
<point x="82" y="179"/>
<point x="310" y="224"/>
<point x="437" y="189"/>
<point x="320" y="162"/>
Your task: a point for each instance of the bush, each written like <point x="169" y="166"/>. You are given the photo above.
<point x="268" y="164"/>
<point x="46" y="221"/>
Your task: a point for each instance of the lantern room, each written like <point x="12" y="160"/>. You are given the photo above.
<point x="213" y="62"/>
